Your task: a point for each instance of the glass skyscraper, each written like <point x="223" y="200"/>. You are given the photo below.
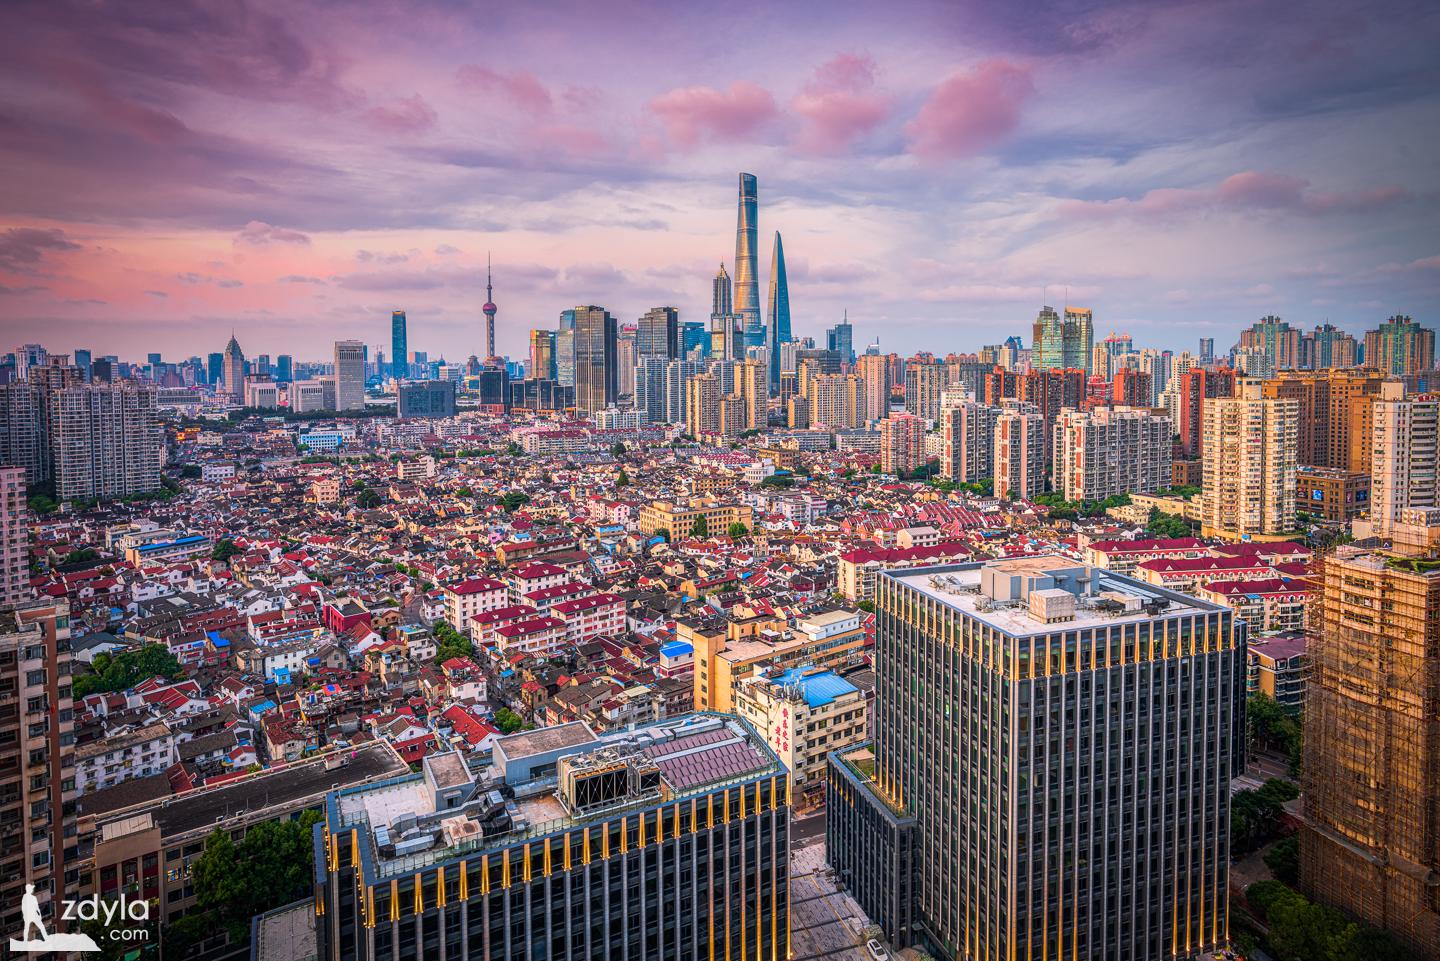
<point x="596" y="369"/>
<point x="747" y="285"/>
<point x="399" y="345"/>
<point x="779" y="331"/>
<point x="1051" y="775"/>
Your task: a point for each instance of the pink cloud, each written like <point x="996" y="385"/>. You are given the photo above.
<point x="695" y="114"/>
<point x="970" y="111"/>
<point x="410" y="115"/>
<point x="1248" y="190"/>
<point x="837" y="105"/>
<point x="520" y="87"/>
<point x="257" y="233"/>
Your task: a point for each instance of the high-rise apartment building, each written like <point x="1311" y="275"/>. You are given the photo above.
<point x="902" y="443"/>
<point x="24" y="436"/>
<point x="1019" y="452"/>
<point x="1400" y="346"/>
<point x="650" y="389"/>
<point x="1195" y="388"/>
<point x="596" y="381"/>
<point x="836" y="400"/>
<point x="14" y="539"/>
<point x="625" y="357"/>
<point x="1327" y="346"/>
<point x="399" y="345"/>
<point x="105" y="441"/>
<point x="1051" y="772"/>
<point x="349" y="375"/>
<point x="234" y="371"/>
<point x="778" y="327"/>
<point x="1405" y="443"/>
<point x="702" y="405"/>
<point x="747" y="266"/>
<point x="677" y="375"/>
<point x="1335" y="414"/>
<point x="1370" y="842"/>
<point x="1276" y="340"/>
<point x="658" y="333"/>
<point x="1109" y="451"/>
<point x="874" y="370"/>
<point x="752" y="386"/>
<point x="924" y="382"/>
<point x="38" y="791"/>
<point x="967" y="431"/>
<point x="1133" y="388"/>
<point x="669" y="841"/>
<point x="28" y="356"/>
<point x="1249" y="464"/>
<point x="1063" y="342"/>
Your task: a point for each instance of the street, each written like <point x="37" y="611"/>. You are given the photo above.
<point x="824" y="922"/>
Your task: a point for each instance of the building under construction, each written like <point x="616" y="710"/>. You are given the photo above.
<point x="1371" y="843"/>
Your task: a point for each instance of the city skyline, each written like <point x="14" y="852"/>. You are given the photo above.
<point x="930" y="173"/>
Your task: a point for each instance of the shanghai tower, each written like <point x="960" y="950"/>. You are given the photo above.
<point x="779" y="332"/>
<point x="747" y="288"/>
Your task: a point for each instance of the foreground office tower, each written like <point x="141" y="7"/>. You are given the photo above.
<point x="1371" y="842"/>
<point x="1052" y="769"/>
<point x="669" y="841"/>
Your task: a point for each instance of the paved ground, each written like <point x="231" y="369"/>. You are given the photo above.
<point x="824" y="923"/>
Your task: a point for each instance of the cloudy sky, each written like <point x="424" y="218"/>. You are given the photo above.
<point x="296" y="169"/>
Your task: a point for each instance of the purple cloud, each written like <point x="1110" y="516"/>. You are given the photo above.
<point x="1248" y="190"/>
<point x="21" y="248"/>
<point x="410" y="115"/>
<point x="521" y="87"/>
<point x="257" y="233"/>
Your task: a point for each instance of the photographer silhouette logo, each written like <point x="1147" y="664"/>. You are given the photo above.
<point x="45" y="941"/>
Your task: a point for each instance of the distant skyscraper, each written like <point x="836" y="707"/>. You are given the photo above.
<point x="841" y="339"/>
<point x="542" y="354"/>
<point x="874" y="369"/>
<point x="28" y="356"/>
<point x="924" y="383"/>
<point x="695" y="336"/>
<point x="779" y="324"/>
<point x="489" y="310"/>
<point x="1063" y="342"/>
<point x="1276" y="339"/>
<point x="565" y="355"/>
<point x="658" y="333"/>
<point x="1207" y="351"/>
<point x="349" y="375"/>
<point x="1327" y="346"/>
<point x="399" y="345"/>
<point x="721" y="294"/>
<point x="284" y="368"/>
<point x="596" y="338"/>
<point x="426" y="398"/>
<point x="747" y="285"/>
<point x="83" y="361"/>
<point x="214" y="369"/>
<point x="234" y="371"/>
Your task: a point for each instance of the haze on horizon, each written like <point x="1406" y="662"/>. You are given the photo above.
<point x="297" y="170"/>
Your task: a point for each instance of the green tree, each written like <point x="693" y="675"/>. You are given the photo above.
<point x="513" y="501"/>
<point x="701" y="527"/>
<point x="618" y="449"/>
<point x="622" y="479"/>
<point x="367" y="499"/>
<point x="1166" y="525"/>
<point x="219" y="883"/>
<point x="1283" y="859"/>
<point x="80" y="556"/>
<point x="123" y="671"/>
<point x="781" y="481"/>
<point x="508" y="721"/>
<point x="224" y="549"/>
<point x="185" y="932"/>
<point x="514" y="449"/>
<point x="867" y="606"/>
<point x="737" y="530"/>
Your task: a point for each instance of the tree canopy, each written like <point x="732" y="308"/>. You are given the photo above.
<point x="271" y="867"/>
<point x="123" y="671"/>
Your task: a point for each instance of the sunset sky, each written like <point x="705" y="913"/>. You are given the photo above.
<point x="296" y="170"/>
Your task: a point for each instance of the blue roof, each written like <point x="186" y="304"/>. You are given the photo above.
<point x="819" y="689"/>
<point x="216" y="639"/>
<point x="676" y="648"/>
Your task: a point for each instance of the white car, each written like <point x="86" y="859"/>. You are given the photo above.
<point x="876" y="950"/>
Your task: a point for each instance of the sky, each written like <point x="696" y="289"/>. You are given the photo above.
<point x="171" y="171"/>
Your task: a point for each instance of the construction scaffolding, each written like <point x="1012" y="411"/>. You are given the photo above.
<point x="1371" y="844"/>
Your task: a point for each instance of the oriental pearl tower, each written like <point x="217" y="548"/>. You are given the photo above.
<point x="489" y="310"/>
